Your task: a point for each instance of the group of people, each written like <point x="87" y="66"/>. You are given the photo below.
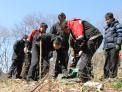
<point x="41" y="53"/>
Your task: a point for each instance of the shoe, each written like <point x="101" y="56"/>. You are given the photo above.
<point x="32" y="83"/>
<point x="72" y="73"/>
<point x="29" y="80"/>
<point x="19" y="77"/>
<point x="9" y="76"/>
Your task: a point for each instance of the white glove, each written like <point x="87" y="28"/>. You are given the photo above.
<point x="25" y="50"/>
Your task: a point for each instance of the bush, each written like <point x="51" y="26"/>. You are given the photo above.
<point x="117" y="84"/>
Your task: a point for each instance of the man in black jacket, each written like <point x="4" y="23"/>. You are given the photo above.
<point x="17" y="58"/>
<point x="28" y="47"/>
<point x="57" y="27"/>
<point x="85" y="38"/>
<point x="62" y="54"/>
<point x="49" y="43"/>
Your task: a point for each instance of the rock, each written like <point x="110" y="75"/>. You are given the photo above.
<point x="97" y="85"/>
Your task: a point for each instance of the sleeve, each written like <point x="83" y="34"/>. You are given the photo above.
<point x="31" y="35"/>
<point x="15" y="47"/>
<point x="71" y="41"/>
<point x="43" y="37"/>
<point x="104" y="42"/>
<point x="88" y="26"/>
<point x="28" y="44"/>
<point x="119" y="33"/>
<point x="53" y="29"/>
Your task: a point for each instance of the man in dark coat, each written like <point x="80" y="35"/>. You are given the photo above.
<point x="62" y="54"/>
<point x="112" y="45"/>
<point x="42" y="29"/>
<point x="49" y="43"/>
<point x="85" y="38"/>
<point x="17" y="58"/>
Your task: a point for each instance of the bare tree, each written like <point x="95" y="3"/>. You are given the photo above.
<point x="4" y="48"/>
<point x="31" y="22"/>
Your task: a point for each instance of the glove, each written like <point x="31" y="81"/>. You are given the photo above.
<point x="28" y="44"/>
<point x="79" y="40"/>
<point x="80" y="43"/>
<point x="25" y="50"/>
<point x="118" y="47"/>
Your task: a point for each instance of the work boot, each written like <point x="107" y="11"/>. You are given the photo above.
<point x="72" y="73"/>
<point x="9" y="76"/>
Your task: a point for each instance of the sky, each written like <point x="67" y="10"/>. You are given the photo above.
<point x="13" y="11"/>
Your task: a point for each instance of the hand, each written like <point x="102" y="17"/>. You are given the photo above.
<point x="79" y="40"/>
<point x="104" y="52"/>
<point x="118" y="47"/>
<point x="26" y="50"/>
<point x="80" y="43"/>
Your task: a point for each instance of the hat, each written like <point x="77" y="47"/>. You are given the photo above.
<point x="109" y="15"/>
<point x="43" y="25"/>
<point x="57" y="40"/>
<point x="62" y="14"/>
<point x="25" y="37"/>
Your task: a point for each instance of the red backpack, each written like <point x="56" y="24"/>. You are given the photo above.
<point x="76" y="27"/>
<point x="31" y="35"/>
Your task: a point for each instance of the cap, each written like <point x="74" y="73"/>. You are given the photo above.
<point x="57" y="40"/>
<point x="25" y="37"/>
<point x="62" y="14"/>
<point x="109" y="15"/>
<point x="44" y="25"/>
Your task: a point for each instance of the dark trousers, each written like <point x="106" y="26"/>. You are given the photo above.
<point x="26" y="65"/>
<point x="33" y="72"/>
<point x="59" y="62"/>
<point x="111" y="63"/>
<point x="85" y="66"/>
<point x="62" y="56"/>
<point x="16" y="68"/>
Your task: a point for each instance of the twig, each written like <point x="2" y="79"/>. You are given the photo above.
<point x="42" y="81"/>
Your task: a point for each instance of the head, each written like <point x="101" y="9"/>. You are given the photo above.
<point x="24" y="38"/>
<point x="62" y="17"/>
<point x="43" y="27"/>
<point x="109" y="18"/>
<point x="57" y="43"/>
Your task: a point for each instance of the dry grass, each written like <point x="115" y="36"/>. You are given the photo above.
<point x="49" y="85"/>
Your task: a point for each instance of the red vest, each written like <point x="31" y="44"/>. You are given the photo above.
<point x="76" y="27"/>
<point x="31" y="35"/>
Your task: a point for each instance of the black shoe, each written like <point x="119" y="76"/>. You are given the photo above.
<point x="29" y="79"/>
<point x="19" y="77"/>
<point x="84" y="80"/>
<point x="9" y="76"/>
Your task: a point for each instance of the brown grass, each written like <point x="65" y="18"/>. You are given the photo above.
<point x="49" y="85"/>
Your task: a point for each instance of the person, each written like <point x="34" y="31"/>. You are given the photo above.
<point x="62" y="54"/>
<point x="28" y="46"/>
<point x="112" y="45"/>
<point x="17" y="58"/>
<point x="42" y="29"/>
<point x="57" y="27"/>
<point x="85" y="39"/>
<point x="49" y="43"/>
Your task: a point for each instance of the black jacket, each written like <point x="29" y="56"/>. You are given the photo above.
<point x="57" y="29"/>
<point x="47" y="41"/>
<point x="90" y="30"/>
<point x="18" y="50"/>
